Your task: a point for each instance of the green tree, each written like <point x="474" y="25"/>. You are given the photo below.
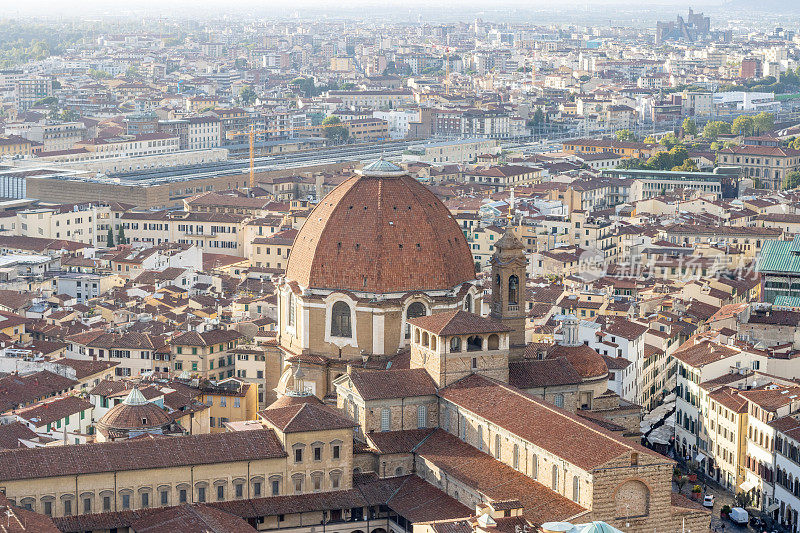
<point x="795" y="144"/>
<point x="669" y="140"/>
<point x="792" y="180"/>
<point x="687" y="166"/>
<point x="538" y="116"/>
<point x="678" y="154"/>
<point x="716" y="147"/>
<point x="121" y="236"/>
<point x="660" y="161"/>
<point x="625" y="135"/>
<point x="742" y="125"/>
<point x="247" y="95"/>
<point x="650" y="140"/>
<point x="713" y="129"/>
<point x="689" y="126"/>
<point x="763" y="122"/>
<point x="333" y="129"/>
<point x="110" y="238"/>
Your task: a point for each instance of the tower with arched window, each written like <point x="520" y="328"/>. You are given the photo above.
<point x="508" y="289"/>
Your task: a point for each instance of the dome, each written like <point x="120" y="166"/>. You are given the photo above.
<point x="380" y="231"/>
<point x="596" y="527"/>
<point x="134" y="413"/>
<point x="585" y="360"/>
<point x="290" y="399"/>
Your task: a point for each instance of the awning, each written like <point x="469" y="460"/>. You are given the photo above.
<point x="700" y="457"/>
<point x="772" y="508"/>
<point x="747" y="485"/>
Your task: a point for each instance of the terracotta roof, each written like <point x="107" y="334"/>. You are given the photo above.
<point x="458" y="322"/>
<point x="697" y="354"/>
<point x="54" y="409"/>
<point x="305" y="417"/>
<point x="191" y="519"/>
<point x="556" y="430"/>
<point x="19" y="390"/>
<point x="34" y="463"/>
<point x="398" y="441"/>
<point x="381" y="234"/>
<point x="286" y="401"/>
<point x="534" y="373"/>
<point x="19" y="520"/>
<point x="207" y="338"/>
<point x="496" y="480"/>
<point x="10" y="435"/>
<point x="585" y="360"/>
<point x="385" y="384"/>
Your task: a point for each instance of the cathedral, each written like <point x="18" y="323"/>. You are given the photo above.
<point x="380" y="316"/>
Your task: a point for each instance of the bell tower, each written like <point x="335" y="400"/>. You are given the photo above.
<point x="508" y="289"/>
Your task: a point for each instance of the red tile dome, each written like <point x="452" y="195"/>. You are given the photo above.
<point x="381" y="231"/>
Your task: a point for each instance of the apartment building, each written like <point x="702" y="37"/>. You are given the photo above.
<point x="367" y="129"/>
<point x="203" y="132"/>
<point x="29" y="90"/>
<point x="217" y="232"/>
<point x="767" y="166"/>
<point x="137" y="353"/>
<point x="206" y="355"/>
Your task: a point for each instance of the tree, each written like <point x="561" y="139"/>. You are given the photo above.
<point x="538" y="116"/>
<point x="333" y="129"/>
<point x="678" y="155"/>
<point x="247" y="95"/>
<point x="715" y="128"/>
<point x="121" y="236"/>
<point x="742" y="125"/>
<point x="687" y="166"/>
<point x="689" y="127"/>
<point x="795" y="144"/>
<point x="792" y="180"/>
<point x="650" y="140"/>
<point x="764" y="122"/>
<point x="625" y="135"/>
<point x="661" y="161"/>
<point x="110" y="238"/>
<point x="669" y="140"/>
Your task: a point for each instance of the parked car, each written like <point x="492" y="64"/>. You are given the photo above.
<point x="739" y="516"/>
<point x="708" y="501"/>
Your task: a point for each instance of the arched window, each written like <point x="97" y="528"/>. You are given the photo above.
<point x="513" y="290"/>
<point x="498" y="282"/>
<point x="455" y="344"/>
<point x="515" y="462"/>
<point x="559" y="400"/>
<point x="480" y="437"/>
<point x="497" y="445"/>
<point x="493" y="342"/>
<point x="386" y="419"/>
<point x="535" y="466"/>
<point x="414" y="310"/>
<point x="554" y="484"/>
<point x="340" y="320"/>
<point x="291" y="310"/>
<point x="474" y="343"/>
<point x="425" y="339"/>
<point x="422" y="416"/>
<point x="576" y="489"/>
<point x="468" y="303"/>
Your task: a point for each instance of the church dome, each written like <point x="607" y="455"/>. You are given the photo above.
<point x="380" y="231"/>
<point x="135" y="413"/>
